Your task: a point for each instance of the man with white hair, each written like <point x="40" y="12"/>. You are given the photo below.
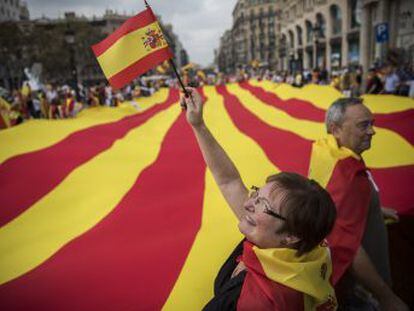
<point x="359" y="239"/>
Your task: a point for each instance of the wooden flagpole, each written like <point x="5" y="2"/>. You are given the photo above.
<point x="177" y="74"/>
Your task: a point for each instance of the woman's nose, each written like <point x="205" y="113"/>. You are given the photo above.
<point x="250" y="206"/>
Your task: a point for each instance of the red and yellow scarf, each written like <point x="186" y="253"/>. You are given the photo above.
<point x="277" y="279"/>
<point x="343" y="174"/>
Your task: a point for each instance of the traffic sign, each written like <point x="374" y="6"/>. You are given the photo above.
<point x="381" y="32"/>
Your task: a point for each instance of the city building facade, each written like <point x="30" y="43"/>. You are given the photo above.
<point x="225" y="54"/>
<point x="292" y="35"/>
<point x="13" y="10"/>
<point x="253" y="37"/>
<point x="332" y="34"/>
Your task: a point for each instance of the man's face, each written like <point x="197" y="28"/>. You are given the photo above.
<point x="357" y="129"/>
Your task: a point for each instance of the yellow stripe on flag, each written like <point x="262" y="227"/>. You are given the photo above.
<point x="115" y="59"/>
<point x="379" y="156"/>
<point x="275" y="117"/>
<point x="32" y="238"/>
<point x="219" y="233"/>
<point x="323" y="96"/>
<point x="39" y="134"/>
<point x="388" y="150"/>
<point x="319" y="96"/>
<point x="388" y="103"/>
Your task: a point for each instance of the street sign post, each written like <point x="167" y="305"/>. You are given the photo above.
<point x="381" y="33"/>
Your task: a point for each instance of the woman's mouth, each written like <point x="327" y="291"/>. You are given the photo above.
<point x="250" y="220"/>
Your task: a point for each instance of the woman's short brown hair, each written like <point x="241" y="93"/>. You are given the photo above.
<point x="309" y="210"/>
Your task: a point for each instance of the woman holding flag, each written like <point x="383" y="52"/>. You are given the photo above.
<point x="282" y="264"/>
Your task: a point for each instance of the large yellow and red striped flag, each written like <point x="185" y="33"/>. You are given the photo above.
<point x="116" y="210"/>
<point x="133" y="49"/>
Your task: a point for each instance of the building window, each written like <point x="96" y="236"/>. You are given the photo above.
<point x="336" y="18"/>
<point x="291" y="39"/>
<point x="353" y="52"/>
<point x="299" y="35"/>
<point x="309" y="32"/>
<point x="356" y="8"/>
<point x="321" y="24"/>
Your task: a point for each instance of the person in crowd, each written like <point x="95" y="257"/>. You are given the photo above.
<point x="54" y="112"/>
<point x="356" y="82"/>
<point x="346" y="82"/>
<point x="315" y="76"/>
<point x="35" y="110"/>
<point x="307" y="75"/>
<point x="392" y="81"/>
<point x="374" y="83"/>
<point x="359" y="73"/>
<point x="290" y="79"/>
<point x="101" y="94"/>
<point x="323" y="76"/>
<point x="298" y="79"/>
<point x="336" y="81"/>
<point x="406" y="75"/>
<point x="44" y="105"/>
<point x="411" y="86"/>
<point x="282" y="263"/>
<point x="359" y="239"/>
<point x="93" y="97"/>
<point x="108" y="96"/>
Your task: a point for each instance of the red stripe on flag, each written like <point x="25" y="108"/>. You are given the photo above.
<point x="27" y="178"/>
<point x="399" y="122"/>
<point x="131" y="259"/>
<point x="286" y="150"/>
<point x="139" y="67"/>
<point x="140" y="20"/>
<point x="396" y="188"/>
<point x="294" y="107"/>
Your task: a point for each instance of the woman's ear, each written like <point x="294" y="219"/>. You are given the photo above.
<point x="290" y="240"/>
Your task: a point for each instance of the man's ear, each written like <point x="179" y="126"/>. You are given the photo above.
<point x="335" y="130"/>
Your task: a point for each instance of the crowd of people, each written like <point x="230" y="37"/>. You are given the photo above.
<point x="350" y="81"/>
<point x="51" y="101"/>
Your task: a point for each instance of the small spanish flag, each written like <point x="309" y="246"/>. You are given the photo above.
<point x="134" y="48"/>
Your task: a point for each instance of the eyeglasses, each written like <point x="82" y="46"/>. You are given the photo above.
<point x="260" y="201"/>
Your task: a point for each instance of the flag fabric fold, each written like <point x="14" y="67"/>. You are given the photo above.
<point x="133" y="49"/>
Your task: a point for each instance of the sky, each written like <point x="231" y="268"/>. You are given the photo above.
<point x="198" y="23"/>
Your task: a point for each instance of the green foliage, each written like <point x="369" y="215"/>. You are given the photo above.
<point x="23" y="44"/>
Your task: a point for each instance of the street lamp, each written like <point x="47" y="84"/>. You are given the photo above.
<point x="70" y="41"/>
